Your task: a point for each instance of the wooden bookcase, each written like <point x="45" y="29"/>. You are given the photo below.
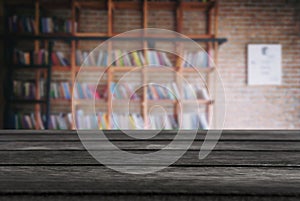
<point x="75" y="7"/>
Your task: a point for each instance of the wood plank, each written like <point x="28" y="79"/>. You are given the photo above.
<point x="172" y="180"/>
<point x="150" y="145"/>
<point x="190" y="158"/>
<point x="267" y="135"/>
<point x="144" y="197"/>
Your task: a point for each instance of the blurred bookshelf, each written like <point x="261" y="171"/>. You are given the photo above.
<point x="52" y="47"/>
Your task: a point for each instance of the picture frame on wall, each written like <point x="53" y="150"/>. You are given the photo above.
<point x="264" y="64"/>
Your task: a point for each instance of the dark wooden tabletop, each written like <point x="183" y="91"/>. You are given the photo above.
<point x="245" y="165"/>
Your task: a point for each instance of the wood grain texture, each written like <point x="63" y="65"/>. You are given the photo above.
<point x="245" y="165"/>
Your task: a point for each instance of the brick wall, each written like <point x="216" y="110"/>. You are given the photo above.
<point x="256" y="21"/>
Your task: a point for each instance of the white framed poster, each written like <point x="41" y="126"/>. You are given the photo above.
<point x="264" y="64"/>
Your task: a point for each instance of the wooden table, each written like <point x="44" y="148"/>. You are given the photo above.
<point x="245" y="165"/>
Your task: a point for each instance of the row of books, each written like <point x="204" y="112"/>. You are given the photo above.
<point x="136" y="121"/>
<point x="61" y="121"/>
<point x="60" y="90"/>
<point x="63" y="90"/>
<point x="56" y="122"/>
<point x="123" y="58"/>
<point x="165" y="91"/>
<point x="94" y="59"/>
<point x="100" y="121"/>
<point x="194" y="91"/>
<point x="88" y="91"/>
<point x="26" y="24"/>
<point x="161" y="121"/>
<point x="39" y="57"/>
<point x="27" y="89"/>
<point x="30" y="57"/>
<point x="21" y="24"/>
<point x="28" y="121"/>
<point x="195" y="59"/>
<point x="118" y="121"/>
<point x="194" y="121"/>
<point x="54" y="25"/>
<point x="125" y="121"/>
<point x="155" y="58"/>
<point x="123" y="91"/>
<point x="90" y="121"/>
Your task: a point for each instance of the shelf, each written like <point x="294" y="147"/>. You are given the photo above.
<point x="161" y="69"/>
<point x="91" y="5"/>
<point x="61" y="68"/>
<point x="199" y="101"/>
<point x="90" y="68"/>
<point x="29" y="66"/>
<point x="27" y="101"/>
<point x="201" y="70"/>
<point x="59" y="101"/>
<point x="82" y="34"/>
<point x="162" y="101"/>
<point x="102" y="36"/>
<point x="88" y="101"/>
<point x="125" y="68"/>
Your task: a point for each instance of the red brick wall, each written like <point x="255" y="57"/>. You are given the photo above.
<point x="256" y="21"/>
<point x="243" y="22"/>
